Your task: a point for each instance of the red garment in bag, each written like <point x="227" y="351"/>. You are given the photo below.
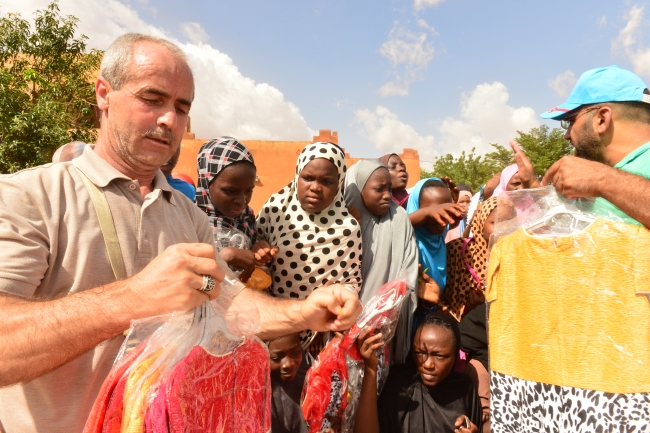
<point x="96" y="419"/>
<point x="226" y="393"/>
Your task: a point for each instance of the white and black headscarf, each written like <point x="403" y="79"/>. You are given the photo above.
<point x="315" y="248"/>
<point x="213" y="157"/>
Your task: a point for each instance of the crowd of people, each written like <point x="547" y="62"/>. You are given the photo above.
<point x="328" y="240"/>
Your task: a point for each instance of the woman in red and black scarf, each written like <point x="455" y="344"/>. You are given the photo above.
<point x="226" y="178"/>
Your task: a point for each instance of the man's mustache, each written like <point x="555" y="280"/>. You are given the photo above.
<point x="160" y="134"/>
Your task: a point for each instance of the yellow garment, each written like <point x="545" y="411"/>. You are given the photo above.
<point x="570" y="310"/>
<point x="135" y="393"/>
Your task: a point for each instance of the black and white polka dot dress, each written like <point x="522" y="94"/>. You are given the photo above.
<point x="315" y="248"/>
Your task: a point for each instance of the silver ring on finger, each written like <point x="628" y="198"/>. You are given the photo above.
<point x="209" y="283"/>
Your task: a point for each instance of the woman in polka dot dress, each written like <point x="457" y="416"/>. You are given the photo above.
<point x="319" y="241"/>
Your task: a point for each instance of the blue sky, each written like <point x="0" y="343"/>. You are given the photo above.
<point x="439" y="76"/>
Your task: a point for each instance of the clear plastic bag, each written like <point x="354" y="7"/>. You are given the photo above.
<point x="230" y="237"/>
<point x="568" y="322"/>
<point x="333" y="383"/>
<point x="199" y="371"/>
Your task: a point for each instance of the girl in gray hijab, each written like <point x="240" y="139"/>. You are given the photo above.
<point x="388" y="240"/>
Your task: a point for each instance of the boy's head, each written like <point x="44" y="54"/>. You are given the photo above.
<point x="285" y="355"/>
<point x="434" y="192"/>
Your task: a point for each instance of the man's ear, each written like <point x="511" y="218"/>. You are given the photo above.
<point x="102" y="92"/>
<point x="603" y="120"/>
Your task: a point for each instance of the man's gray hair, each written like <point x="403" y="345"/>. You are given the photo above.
<point x="116" y="63"/>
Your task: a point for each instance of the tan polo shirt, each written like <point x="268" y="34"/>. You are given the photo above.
<point x="51" y="245"/>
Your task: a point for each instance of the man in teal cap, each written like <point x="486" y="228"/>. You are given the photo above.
<point x="607" y="120"/>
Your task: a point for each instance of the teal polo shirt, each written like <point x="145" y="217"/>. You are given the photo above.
<point x="636" y="162"/>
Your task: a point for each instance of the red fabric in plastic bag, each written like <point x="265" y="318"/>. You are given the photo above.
<point x="325" y="395"/>
<point x="115" y="409"/>
<point x="96" y="419"/>
<point x="201" y="396"/>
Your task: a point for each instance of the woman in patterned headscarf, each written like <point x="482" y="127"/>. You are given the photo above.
<point x="467" y="263"/>
<point x="319" y="241"/>
<point x="225" y="186"/>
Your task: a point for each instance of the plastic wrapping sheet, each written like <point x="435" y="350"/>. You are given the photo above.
<point x="230" y="237"/>
<point x="568" y="318"/>
<point x="333" y="383"/>
<point x="193" y="372"/>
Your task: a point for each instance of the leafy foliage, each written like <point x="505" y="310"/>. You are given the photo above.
<point x="46" y="88"/>
<point x="542" y="146"/>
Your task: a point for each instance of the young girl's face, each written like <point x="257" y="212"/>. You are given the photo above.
<point x="376" y="194"/>
<point x="463" y="202"/>
<point x="285" y="356"/>
<point x="488" y="227"/>
<point x="435" y="353"/>
<point x="317" y="185"/>
<point x="433" y="197"/>
<point x="398" y="174"/>
<point x="232" y="189"/>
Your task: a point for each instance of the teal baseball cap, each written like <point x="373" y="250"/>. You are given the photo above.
<point x="610" y="84"/>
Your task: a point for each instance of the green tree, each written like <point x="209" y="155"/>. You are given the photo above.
<point x="468" y="168"/>
<point x="541" y="145"/>
<point x="46" y="88"/>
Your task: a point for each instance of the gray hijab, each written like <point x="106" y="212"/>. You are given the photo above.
<point x="389" y="248"/>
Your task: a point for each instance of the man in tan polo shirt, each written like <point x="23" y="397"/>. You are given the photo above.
<point x="62" y="312"/>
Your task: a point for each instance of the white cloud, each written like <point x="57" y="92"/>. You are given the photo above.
<point x="226" y="102"/>
<point x="423" y="4"/>
<point x="563" y="83"/>
<point x="194" y="32"/>
<point x="409" y="53"/>
<point x="485" y="118"/>
<point x="629" y="41"/>
<point x="389" y="134"/>
<point x="602" y="21"/>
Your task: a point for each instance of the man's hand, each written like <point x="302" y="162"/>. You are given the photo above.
<point x="331" y="308"/>
<point x="171" y="281"/>
<point x="244" y="259"/>
<point x="428" y="289"/>
<point x="264" y="253"/>
<point x="526" y="172"/>
<point x="575" y="177"/>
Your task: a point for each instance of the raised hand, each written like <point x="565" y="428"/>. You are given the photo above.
<point x="526" y="171"/>
<point x="455" y="192"/>
<point x="368" y="345"/>
<point x="428" y="289"/>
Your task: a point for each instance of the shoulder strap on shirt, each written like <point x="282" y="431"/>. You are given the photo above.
<point x="106" y="225"/>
